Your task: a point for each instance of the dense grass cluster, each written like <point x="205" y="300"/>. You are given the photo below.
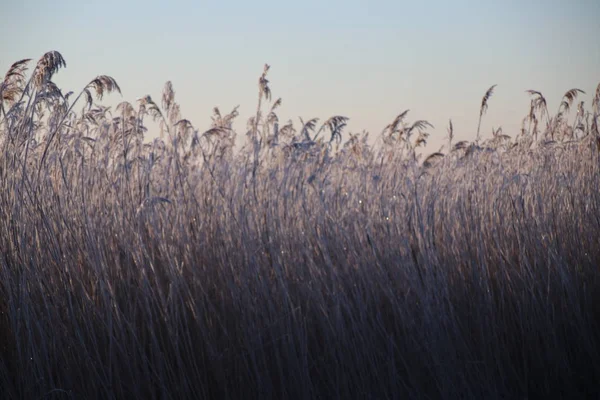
<point x="309" y="264"/>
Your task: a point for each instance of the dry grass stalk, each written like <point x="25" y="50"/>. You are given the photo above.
<point x="483" y="109"/>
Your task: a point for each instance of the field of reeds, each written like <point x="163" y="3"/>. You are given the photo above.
<point x="312" y="263"/>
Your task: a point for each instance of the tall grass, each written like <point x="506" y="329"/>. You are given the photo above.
<point x="301" y="266"/>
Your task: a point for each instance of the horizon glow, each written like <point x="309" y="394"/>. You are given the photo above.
<point x="368" y="61"/>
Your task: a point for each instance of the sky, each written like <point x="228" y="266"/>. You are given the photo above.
<point x="366" y="60"/>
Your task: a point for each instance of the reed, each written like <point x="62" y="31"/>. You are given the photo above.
<point x="312" y="263"/>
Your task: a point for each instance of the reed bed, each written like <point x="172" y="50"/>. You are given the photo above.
<point x="312" y="263"/>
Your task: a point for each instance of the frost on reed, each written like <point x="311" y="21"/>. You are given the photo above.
<point x="312" y="263"/>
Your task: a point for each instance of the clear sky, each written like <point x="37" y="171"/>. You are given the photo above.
<point x="367" y="60"/>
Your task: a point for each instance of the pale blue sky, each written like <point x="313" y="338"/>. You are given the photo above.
<point x="368" y="60"/>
